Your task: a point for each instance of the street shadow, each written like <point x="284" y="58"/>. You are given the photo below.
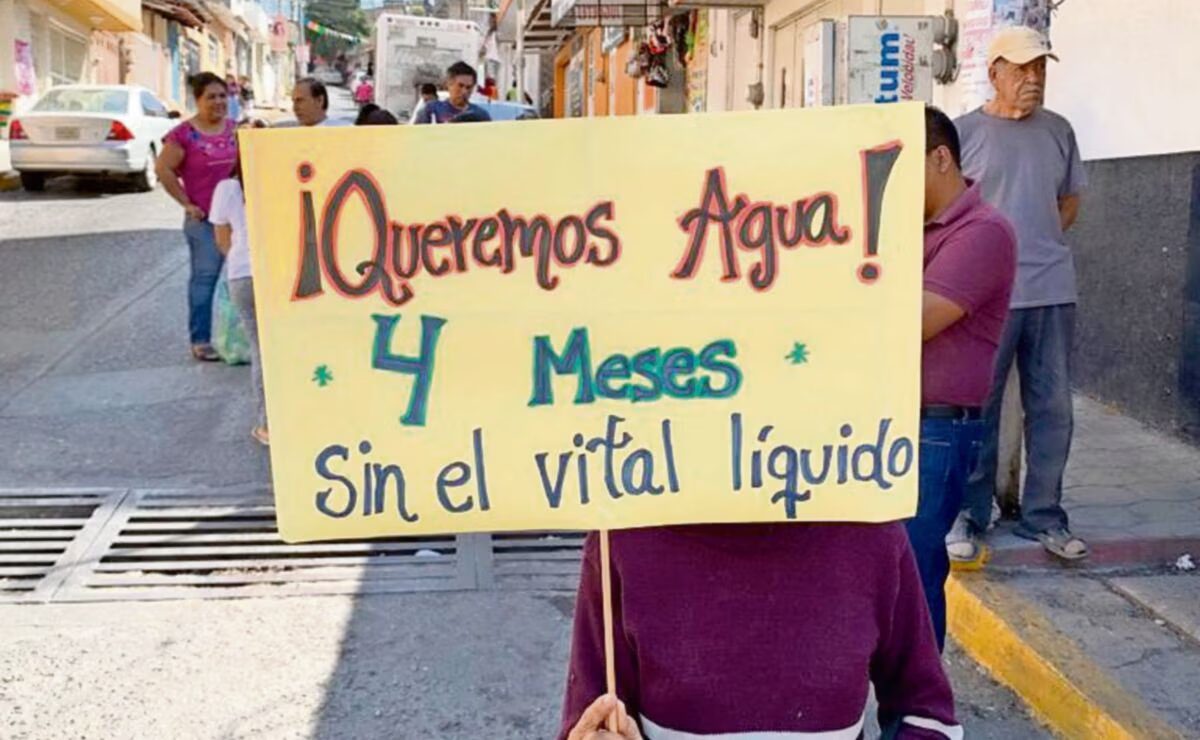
<point x="73" y="187"/>
<point x="454" y="666"/>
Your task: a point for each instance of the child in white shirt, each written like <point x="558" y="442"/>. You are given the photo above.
<point x="228" y="216"/>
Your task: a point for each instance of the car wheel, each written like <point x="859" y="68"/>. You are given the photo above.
<point x="147" y="179"/>
<point x="34" y="182"/>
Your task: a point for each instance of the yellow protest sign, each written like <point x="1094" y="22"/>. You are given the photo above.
<point x="596" y="323"/>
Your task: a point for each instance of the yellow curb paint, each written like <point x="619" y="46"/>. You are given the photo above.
<point x="1019" y="647"/>
<point x="967" y="566"/>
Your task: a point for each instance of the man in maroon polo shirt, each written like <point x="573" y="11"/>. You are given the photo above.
<point x="970" y="264"/>
<point x="749" y="630"/>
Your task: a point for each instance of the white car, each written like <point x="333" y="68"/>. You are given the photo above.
<point x="90" y="129"/>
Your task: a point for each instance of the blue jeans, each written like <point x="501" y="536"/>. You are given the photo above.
<point x="206" y="268"/>
<point x="949" y="451"/>
<point x="1040" y="341"/>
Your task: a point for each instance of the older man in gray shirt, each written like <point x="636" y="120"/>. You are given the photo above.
<point x="1027" y="163"/>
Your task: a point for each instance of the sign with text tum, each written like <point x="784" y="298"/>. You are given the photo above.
<point x="583" y="324"/>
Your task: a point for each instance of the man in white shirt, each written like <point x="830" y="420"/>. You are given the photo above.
<point x="310" y="103"/>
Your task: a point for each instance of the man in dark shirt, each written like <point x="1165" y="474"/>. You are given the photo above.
<point x="460" y="83"/>
<point x="970" y="262"/>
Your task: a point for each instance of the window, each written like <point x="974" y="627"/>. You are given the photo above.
<point x="151" y="106"/>
<point x="191" y="53"/>
<point x="68" y="56"/>
<point x="84" y="100"/>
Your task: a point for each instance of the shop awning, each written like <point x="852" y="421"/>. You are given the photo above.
<point x="185" y="13"/>
<point x="714" y="4"/>
<point x="106" y="15"/>
<point x="540" y="35"/>
<point x="225" y="17"/>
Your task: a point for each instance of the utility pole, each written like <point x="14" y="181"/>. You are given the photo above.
<point x="301" y="69"/>
<point x="520" y="51"/>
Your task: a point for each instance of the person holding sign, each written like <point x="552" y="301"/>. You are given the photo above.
<point x="970" y="263"/>
<point x="734" y="629"/>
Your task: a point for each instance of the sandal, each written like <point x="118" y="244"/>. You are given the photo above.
<point x="261" y="436"/>
<point x="204" y="353"/>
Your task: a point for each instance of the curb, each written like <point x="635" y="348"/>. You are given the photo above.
<point x="9" y="181"/>
<point x="1142" y="552"/>
<point x="1062" y="686"/>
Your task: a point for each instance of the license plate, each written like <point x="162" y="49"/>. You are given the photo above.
<point x="67" y="133"/>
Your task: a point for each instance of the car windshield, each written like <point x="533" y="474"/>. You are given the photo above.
<point x="76" y="100"/>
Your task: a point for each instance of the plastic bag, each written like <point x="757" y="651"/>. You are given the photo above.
<point x="228" y="334"/>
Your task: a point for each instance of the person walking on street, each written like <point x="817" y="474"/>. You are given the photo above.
<point x="228" y="217"/>
<point x="970" y="261"/>
<point x="364" y="94"/>
<point x="460" y="83"/>
<point x="247" y="93"/>
<point x="1027" y="162"/>
<point x="197" y="154"/>
<point x="235" y="98"/>
<point x="310" y="103"/>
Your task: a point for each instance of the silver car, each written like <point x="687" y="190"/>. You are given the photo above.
<point x="92" y="129"/>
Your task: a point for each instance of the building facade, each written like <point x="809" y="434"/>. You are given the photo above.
<point x="1123" y="81"/>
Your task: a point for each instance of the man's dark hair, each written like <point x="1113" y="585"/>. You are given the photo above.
<point x="380" y="117"/>
<point x="940" y="131"/>
<point x="364" y="112"/>
<point x="200" y="82"/>
<point x="316" y="88"/>
<point x="462" y="69"/>
<point x="429" y="89"/>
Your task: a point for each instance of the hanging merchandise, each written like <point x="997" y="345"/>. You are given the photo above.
<point x="659" y="40"/>
<point x="658" y="75"/>
<point x="639" y="62"/>
<point x="25" y="75"/>
<point x="657" y="46"/>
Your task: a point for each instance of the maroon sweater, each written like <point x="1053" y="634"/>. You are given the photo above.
<point x="742" y="629"/>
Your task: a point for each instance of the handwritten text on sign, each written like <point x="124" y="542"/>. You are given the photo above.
<point x="599" y="323"/>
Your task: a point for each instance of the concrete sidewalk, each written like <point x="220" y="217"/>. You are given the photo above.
<point x="1109" y="647"/>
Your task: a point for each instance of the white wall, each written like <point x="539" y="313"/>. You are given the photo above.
<point x="1128" y="76"/>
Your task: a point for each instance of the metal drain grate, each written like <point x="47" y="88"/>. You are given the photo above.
<point x="42" y="533"/>
<point x="538" y="560"/>
<point x="118" y="545"/>
<point x="171" y="545"/>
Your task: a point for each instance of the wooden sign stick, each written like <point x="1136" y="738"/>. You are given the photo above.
<point x="610" y="668"/>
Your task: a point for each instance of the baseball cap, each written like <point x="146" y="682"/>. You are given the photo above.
<point x="1019" y="45"/>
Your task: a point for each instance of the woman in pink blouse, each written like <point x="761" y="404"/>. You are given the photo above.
<point x="197" y="155"/>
